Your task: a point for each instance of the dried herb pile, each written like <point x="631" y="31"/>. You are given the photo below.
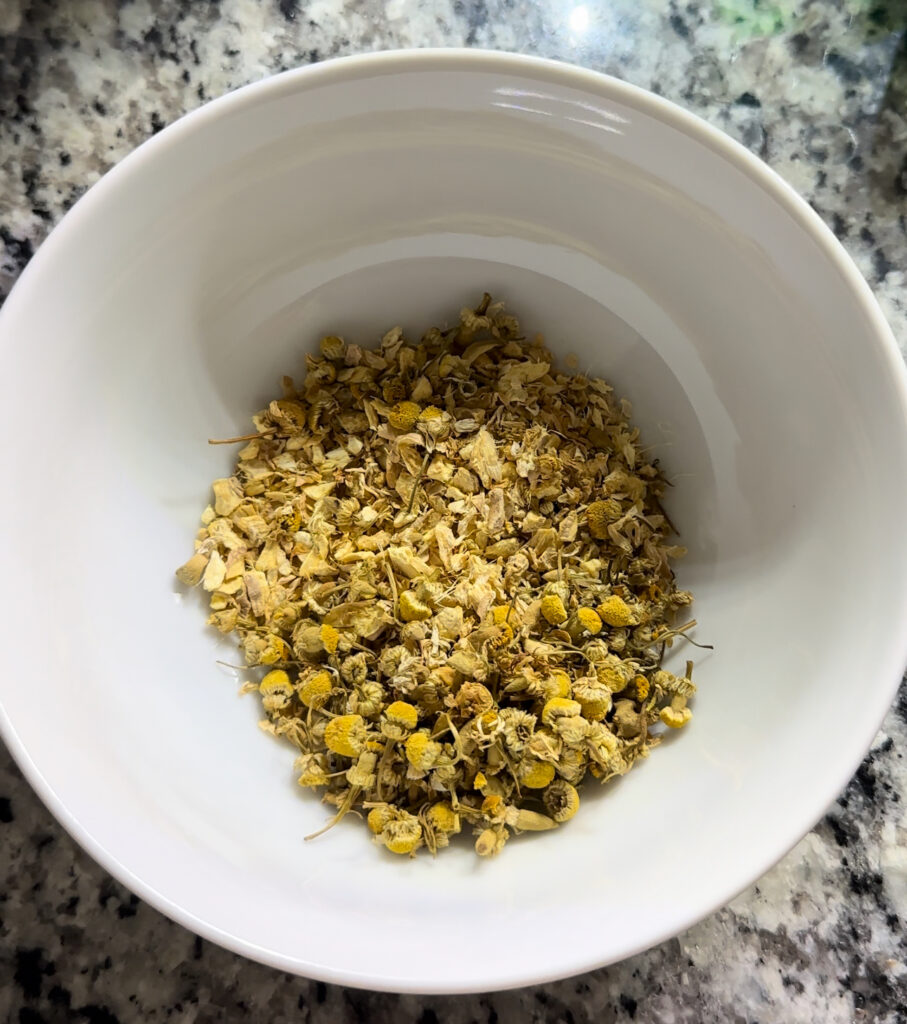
<point x="453" y="562"/>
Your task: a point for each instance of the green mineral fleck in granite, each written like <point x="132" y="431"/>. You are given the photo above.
<point x="752" y="18"/>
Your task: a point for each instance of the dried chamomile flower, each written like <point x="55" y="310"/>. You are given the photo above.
<point x="330" y="638"/>
<point x="573" y="759"/>
<point x="517" y="727"/>
<point x="594" y="697"/>
<point x="556" y="685"/>
<point x="345" y="735"/>
<point x="640" y="687"/>
<point x="332" y="347"/>
<point x="561" y="800"/>
<point x="411" y="609"/>
<point x="553" y="609"/>
<point x="673" y="685"/>
<point x="505" y="614"/>
<point x="600" y="515"/>
<point x="362" y="773"/>
<point x="501" y="636"/>
<point x="617" y="640"/>
<point x="441" y="822"/>
<point x="676" y="718"/>
<point x="602" y="745"/>
<point x="354" y="669"/>
<point x="316" y="689"/>
<point x="393" y="391"/>
<point x="404" y="415"/>
<point x="611" y="673"/>
<point x="615" y="611"/>
<point x="378" y="817"/>
<point x="274" y="649"/>
<point x="444" y="818"/>
<point x="587" y="621"/>
<point x="491" y="841"/>
<point x="288" y="519"/>
<point x="484" y="729"/>
<point x="313" y="770"/>
<point x="560" y="707"/>
<point x="451" y="562"/>
<point x="535" y="774"/>
<point x="422" y="752"/>
<point x="402" y="834"/>
<point x="400" y="718"/>
<point x="284" y="617"/>
<point x="572" y="729"/>
<point x="367" y="700"/>
<point x="677" y="714"/>
<point x="473" y="699"/>
<point x="288" y="413"/>
<point x="276" y="690"/>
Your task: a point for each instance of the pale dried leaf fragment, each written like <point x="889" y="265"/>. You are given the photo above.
<point x="406" y="561"/>
<point x="518" y="374"/>
<point x="476" y="349"/>
<point x="364" y="618"/>
<point x="503" y="548"/>
<point x="446" y="543"/>
<point x="215" y="572"/>
<point x="256" y="585"/>
<point x="192" y="571"/>
<point x="313" y="565"/>
<point x="255" y="527"/>
<point x="227" y="496"/>
<point x="449" y="623"/>
<point x="568" y="528"/>
<point x="270" y="558"/>
<point x="317" y="491"/>
<point x="494" y="511"/>
<point x="481" y="596"/>
<point x="221" y="530"/>
<point x="484" y="458"/>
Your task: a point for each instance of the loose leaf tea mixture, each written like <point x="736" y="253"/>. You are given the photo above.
<point x="453" y="563"/>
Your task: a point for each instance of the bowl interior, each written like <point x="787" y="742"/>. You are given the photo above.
<point x="347" y="199"/>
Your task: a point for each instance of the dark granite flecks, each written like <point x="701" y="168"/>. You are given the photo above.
<point x="818" y="88"/>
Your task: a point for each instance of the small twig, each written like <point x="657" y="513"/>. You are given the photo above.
<point x="345" y="807"/>
<point x="690" y="640"/>
<point x="391" y="579"/>
<point x="243" y="437"/>
<point x="682" y="629"/>
<point x="681" y="632"/>
<point x="666" y="517"/>
<point x="415" y="489"/>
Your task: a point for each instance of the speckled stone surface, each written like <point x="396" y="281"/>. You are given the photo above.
<point x="819" y="90"/>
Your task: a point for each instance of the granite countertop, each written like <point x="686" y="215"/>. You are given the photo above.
<point x="818" y="88"/>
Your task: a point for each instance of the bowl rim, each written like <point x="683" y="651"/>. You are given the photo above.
<point x="337" y="70"/>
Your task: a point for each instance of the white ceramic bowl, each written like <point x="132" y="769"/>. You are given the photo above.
<point x="347" y="197"/>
